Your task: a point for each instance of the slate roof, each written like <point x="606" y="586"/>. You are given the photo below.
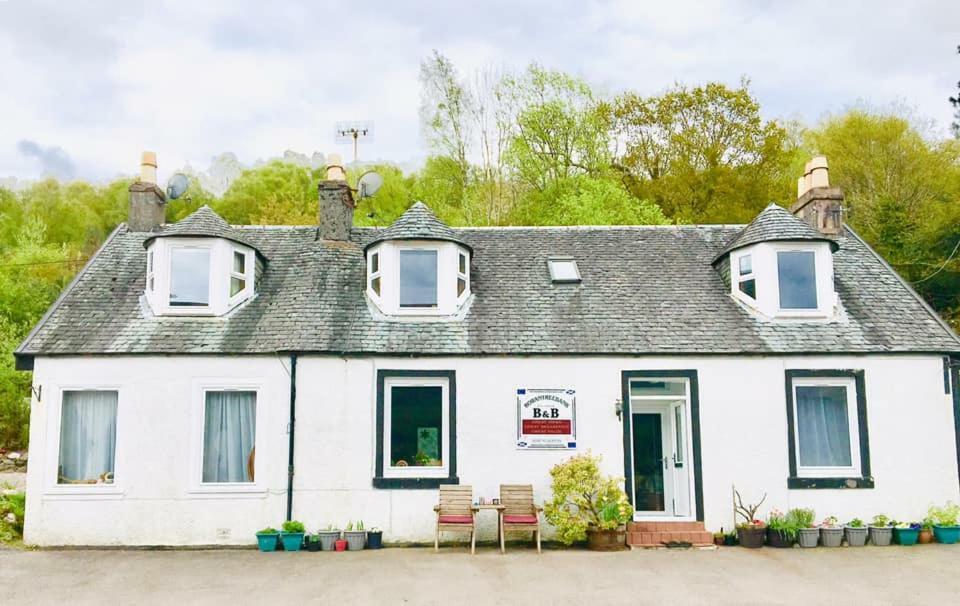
<point x="418" y="223"/>
<point x="645" y="290"/>
<point x="774" y="224"/>
<point x="203" y="222"/>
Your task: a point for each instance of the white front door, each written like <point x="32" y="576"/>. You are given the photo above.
<point x="660" y="448"/>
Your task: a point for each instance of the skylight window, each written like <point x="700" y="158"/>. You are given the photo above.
<point x="563" y="270"/>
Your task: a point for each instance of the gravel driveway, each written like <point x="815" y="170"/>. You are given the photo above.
<point x="870" y="575"/>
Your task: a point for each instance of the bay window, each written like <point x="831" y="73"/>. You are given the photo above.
<point x="190" y="277"/>
<point x="418" y="278"/>
<point x="797" y="277"/>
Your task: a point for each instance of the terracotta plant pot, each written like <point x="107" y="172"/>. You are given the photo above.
<point x="926" y="536"/>
<point x="718" y="541"/>
<point x="607" y="540"/>
<point x="751" y="537"/>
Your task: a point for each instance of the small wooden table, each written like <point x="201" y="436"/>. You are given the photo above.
<point x="490" y="506"/>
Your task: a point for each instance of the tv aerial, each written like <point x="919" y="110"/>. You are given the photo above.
<point x="177" y="186"/>
<point x="352" y="132"/>
<point x="369" y="183"/>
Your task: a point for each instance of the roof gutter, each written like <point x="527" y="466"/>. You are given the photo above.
<point x="292" y="431"/>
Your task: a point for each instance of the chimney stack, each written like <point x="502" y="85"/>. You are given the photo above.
<point x="817" y="203"/>
<point x="147" y="201"/>
<point x="336" y="202"/>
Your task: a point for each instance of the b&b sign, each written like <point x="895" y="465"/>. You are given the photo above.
<point x="546" y="418"/>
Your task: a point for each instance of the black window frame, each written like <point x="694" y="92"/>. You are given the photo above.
<point x="865" y="480"/>
<point x="416" y="483"/>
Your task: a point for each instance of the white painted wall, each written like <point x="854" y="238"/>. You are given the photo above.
<point x="742" y="415"/>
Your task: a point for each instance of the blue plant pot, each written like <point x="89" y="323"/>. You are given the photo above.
<point x="291" y="540"/>
<point x="906" y="536"/>
<point x="267" y="542"/>
<point x="947" y="535"/>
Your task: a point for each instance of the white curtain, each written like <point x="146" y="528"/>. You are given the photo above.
<point x="823" y="426"/>
<point x="88" y="436"/>
<point x="229" y="431"/>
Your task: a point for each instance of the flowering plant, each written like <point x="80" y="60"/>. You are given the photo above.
<point x="829" y="522"/>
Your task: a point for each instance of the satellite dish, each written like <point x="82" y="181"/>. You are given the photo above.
<point x="177" y="186"/>
<point x="369" y="183"/>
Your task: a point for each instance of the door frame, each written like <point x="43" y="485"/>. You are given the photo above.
<point x="694" y="433"/>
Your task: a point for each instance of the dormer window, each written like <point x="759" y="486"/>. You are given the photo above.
<point x="463" y="268"/>
<point x="189" y="277"/>
<point x="797" y="278"/>
<point x="238" y="275"/>
<point x="418" y="278"/>
<point x="375" y="273"/>
<point x="563" y="270"/>
<point x="747" y="282"/>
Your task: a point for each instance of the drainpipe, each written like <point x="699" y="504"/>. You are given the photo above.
<point x="292" y="426"/>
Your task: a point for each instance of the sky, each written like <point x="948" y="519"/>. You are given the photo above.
<point x="85" y="86"/>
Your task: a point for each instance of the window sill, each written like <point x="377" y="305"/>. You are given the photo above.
<point x="841" y="483"/>
<point x="227" y="492"/>
<point x="413" y="483"/>
<point x="88" y="492"/>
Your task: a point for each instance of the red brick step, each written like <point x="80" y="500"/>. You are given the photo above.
<point x="656" y="534"/>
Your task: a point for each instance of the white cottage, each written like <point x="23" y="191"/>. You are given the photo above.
<point x="198" y="381"/>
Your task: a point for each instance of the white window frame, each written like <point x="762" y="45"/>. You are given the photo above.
<point x="52" y="489"/>
<point x="199" y="488"/>
<point x="558" y="280"/>
<point x="744" y="277"/>
<point x="246" y="275"/>
<point x="191" y="310"/>
<point x="151" y="285"/>
<point x="853" y="422"/>
<point x="374" y="275"/>
<point x="799" y="312"/>
<point x="389" y="471"/>
<point x="417" y="309"/>
<point x="464" y="275"/>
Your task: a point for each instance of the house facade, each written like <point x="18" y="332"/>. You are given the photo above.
<point x="199" y="381"/>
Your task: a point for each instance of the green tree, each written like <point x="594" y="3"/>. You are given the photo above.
<point x="955" y="101"/>
<point x="275" y="193"/>
<point x="704" y="154"/>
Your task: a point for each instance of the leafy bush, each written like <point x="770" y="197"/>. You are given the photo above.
<point x="11" y="504"/>
<point x="948" y="515"/>
<point x="584" y="499"/>
<point x="293" y="526"/>
<point x="801" y="517"/>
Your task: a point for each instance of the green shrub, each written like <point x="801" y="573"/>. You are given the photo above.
<point x="268" y="530"/>
<point x="293" y="526"/>
<point x="583" y="499"/>
<point x="801" y="517"/>
<point x="16" y="504"/>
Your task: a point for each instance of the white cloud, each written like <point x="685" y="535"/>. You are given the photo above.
<point x="102" y="80"/>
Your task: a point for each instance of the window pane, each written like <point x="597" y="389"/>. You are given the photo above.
<point x="418" y="278"/>
<point x="150" y="261"/>
<point x="798" y="286"/>
<point x="416" y="426"/>
<point x="658" y="388"/>
<point x="236" y="286"/>
<point x="189" y="276"/>
<point x="749" y="288"/>
<point x="746" y="265"/>
<point x="229" y="432"/>
<point x="461" y="286"/>
<point x="563" y="270"/>
<point x="88" y="437"/>
<point x="823" y="431"/>
<point x="678" y="427"/>
<point x="374" y="263"/>
<point x="463" y="263"/>
<point x="375" y="285"/>
<point x="239" y="262"/>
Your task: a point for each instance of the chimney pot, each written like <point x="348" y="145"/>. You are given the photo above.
<point x="336" y="202"/>
<point x="335" y="170"/>
<point x="817" y="203"/>
<point x="148" y="167"/>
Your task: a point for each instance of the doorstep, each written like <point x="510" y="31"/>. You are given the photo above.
<point x="658" y="534"/>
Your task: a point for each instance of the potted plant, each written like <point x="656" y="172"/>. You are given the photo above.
<point x="831" y="535"/>
<point x="588" y="505"/>
<point x="355" y="536"/>
<point x="374" y="538"/>
<point x="750" y="532"/>
<point x="730" y="539"/>
<point x="328" y="537"/>
<point x="781" y="531"/>
<point x="856" y="533"/>
<point x="945" y="522"/>
<point x="313" y="542"/>
<point x="291" y="535"/>
<point x="340" y="545"/>
<point x="880" y="530"/>
<point x="808" y="535"/>
<point x="718" y="538"/>
<point x="906" y="533"/>
<point x="267" y="539"/>
<point x="926" y="531"/>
